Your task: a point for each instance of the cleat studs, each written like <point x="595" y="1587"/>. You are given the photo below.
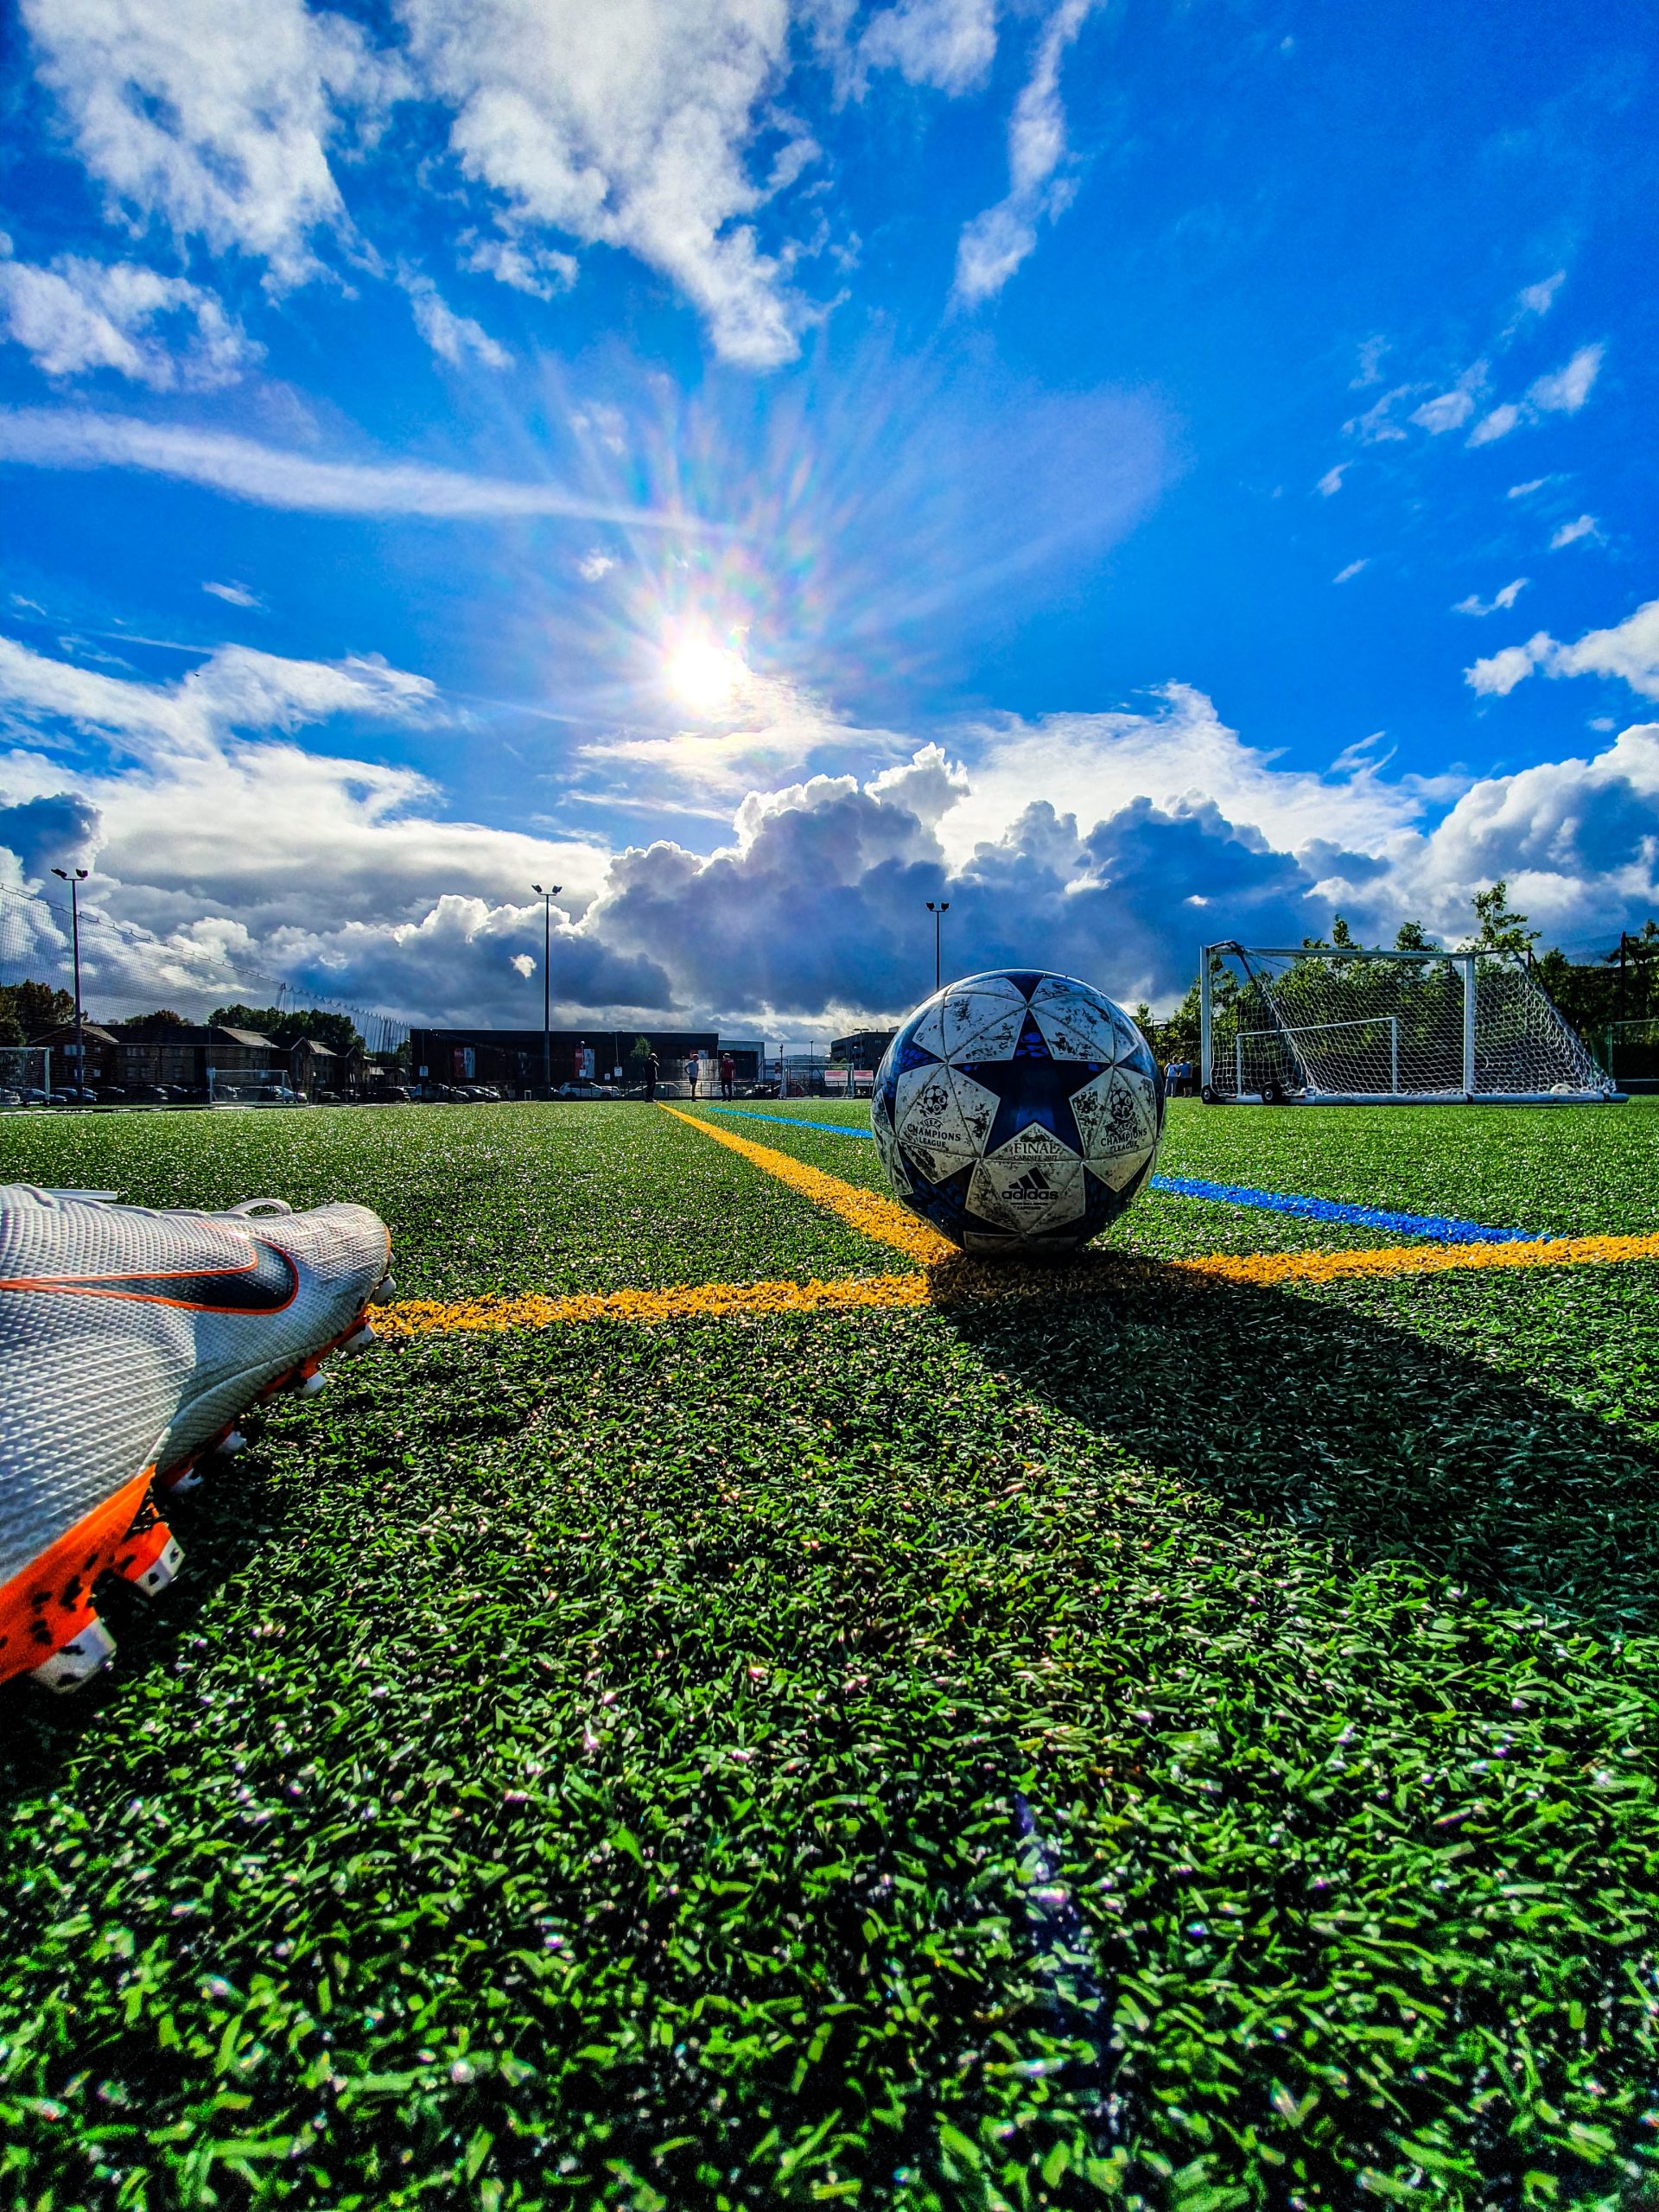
<point x="229" y="1445"/>
<point x="178" y="1482"/>
<point x="308" y="1385"/>
<point x="153" y="1561"/>
<point x="162" y="1570"/>
<point x="360" y="1339"/>
<point x="73" y="1663"/>
<point x="384" y="1292"/>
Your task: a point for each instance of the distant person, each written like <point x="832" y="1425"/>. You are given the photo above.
<point x="728" y="1075"/>
<point x="653" y="1069"/>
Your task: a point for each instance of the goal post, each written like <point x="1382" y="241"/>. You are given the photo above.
<point x="25" y="1075"/>
<point x="1345" y="1024"/>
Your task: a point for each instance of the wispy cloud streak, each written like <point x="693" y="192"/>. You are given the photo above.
<point x="273" y="476"/>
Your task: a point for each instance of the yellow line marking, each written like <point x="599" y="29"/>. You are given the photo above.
<point x="882" y="1218"/>
<point x="420" y="1317"/>
<point x="952" y="1279"/>
<point x="962" y="1282"/>
<point x="1269" y="1268"/>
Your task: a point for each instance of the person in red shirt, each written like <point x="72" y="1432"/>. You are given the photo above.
<point x="728" y="1075"/>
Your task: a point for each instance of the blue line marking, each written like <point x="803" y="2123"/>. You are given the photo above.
<point x="1444" y="1228"/>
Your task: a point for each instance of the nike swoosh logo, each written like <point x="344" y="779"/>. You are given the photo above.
<point x="264" y="1284"/>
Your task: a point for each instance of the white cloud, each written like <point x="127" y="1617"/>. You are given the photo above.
<point x="1450" y="411"/>
<point x="1368" y="370"/>
<point x="949" y="44"/>
<point x="1377" y="426"/>
<point x="1086" y="842"/>
<point x="630" y="125"/>
<point x="1331" y="482"/>
<point x="1347" y="574"/>
<point x="993" y="246"/>
<point x="1497" y="425"/>
<point x="214" y="117"/>
<point x="1569" y="533"/>
<point x="80" y="316"/>
<point x="451" y="337"/>
<point x="525" y="264"/>
<point x="595" y="565"/>
<point x="1538" y="299"/>
<point x="1629" y="650"/>
<point x="235" y="595"/>
<point x="273" y="476"/>
<point x="1561" y="392"/>
<point x="1525" y="491"/>
<point x="1565" y="391"/>
<point x="1504" y="597"/>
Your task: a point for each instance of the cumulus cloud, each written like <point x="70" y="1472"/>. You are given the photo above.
<point x="993" y="246"/>
<point x="1570" y="533"/>
<point x="1330" y="483"/>
<point x="631" y="126"/>
<point x="1538" y="299"/>
<point x="1629" y="650"/>
<point x="79" y="316"/>
<point x="219" y="840"/>
<point x="949" y="44"/>
<point x="274" y="476"/>
<point x="1109" y="844"/>
<point x="214" y="118"/>
<point x="523" y="264"/>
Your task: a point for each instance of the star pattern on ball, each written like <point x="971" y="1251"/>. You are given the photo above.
<point x="1033" y="1087"/>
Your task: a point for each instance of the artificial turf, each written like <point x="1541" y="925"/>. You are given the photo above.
<point x="1189" y="1747"/>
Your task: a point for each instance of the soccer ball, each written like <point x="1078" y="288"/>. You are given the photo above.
<point x="1018" y="1112"/>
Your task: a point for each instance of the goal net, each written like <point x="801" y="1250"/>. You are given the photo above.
<point x="1346" y="1026"/>
<point x="25" y="1075"/>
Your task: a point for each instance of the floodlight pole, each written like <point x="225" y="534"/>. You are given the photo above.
<point x="938" y="908"/>
<point x="74" y="882"/>
<point x="547" y="898"/>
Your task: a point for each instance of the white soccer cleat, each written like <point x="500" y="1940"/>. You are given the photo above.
<point x="129" y="1343"/>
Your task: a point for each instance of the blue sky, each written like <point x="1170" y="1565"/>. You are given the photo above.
<point x="1145" y="472"/>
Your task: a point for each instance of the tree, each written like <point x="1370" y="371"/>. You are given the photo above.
<point x="1412" y="936"/>
<point x="12" y="1030"/>
<point x="1340" y="932"/>
<point x="285" y="1029"/>
<point x="162" y="1015"/>
<point x="1499" y="928"/>
<point x="38" y="1008"/>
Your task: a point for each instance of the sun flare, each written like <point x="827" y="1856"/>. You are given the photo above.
<point x="706" y="677"/>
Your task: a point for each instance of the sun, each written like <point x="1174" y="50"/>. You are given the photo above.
<point x="706" y="677"/>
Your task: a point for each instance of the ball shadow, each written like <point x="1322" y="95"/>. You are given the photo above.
<point x="1341" y="1425"/>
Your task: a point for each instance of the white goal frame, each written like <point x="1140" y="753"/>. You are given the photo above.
<point x="1462" y="1070"/>
<point x="23" y="1067"/>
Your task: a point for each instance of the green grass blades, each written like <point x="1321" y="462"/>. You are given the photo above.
<point x="479" y="1198"/>
<point x="844" y="1761"/>
<point x="1186" y="1749"/>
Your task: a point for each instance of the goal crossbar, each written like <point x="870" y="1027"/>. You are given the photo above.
<point x="1280" y="1022"/>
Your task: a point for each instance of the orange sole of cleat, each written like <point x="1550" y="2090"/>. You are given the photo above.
<point x="49" y="1605"/>
<point x="150" y="1557"/>
<point x="47" y="1627"/>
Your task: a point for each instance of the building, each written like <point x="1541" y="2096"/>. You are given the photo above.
<point x="864" y="1048"/>
<point x="102" y="1046"/>
<point x="511" y="1059"/>
<point x="186" y="1055"/>
<point x="748" y="1057"/>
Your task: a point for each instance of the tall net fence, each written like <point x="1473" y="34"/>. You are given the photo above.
<point x="1348" y="1024"/>
<point x="125" y="970"/>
